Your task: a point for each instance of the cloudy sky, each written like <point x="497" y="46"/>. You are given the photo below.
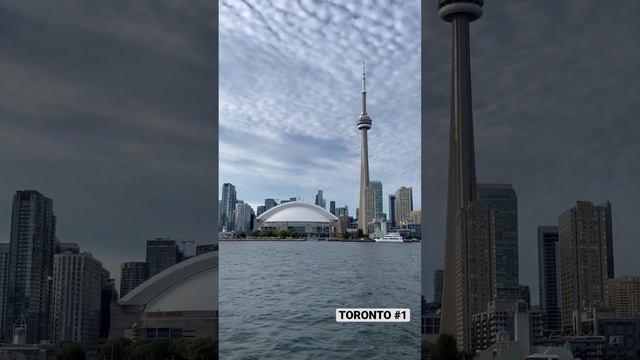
<point x="109" y="109"/>
<point x="290" y="74"/>
<point x="555" y="92"/>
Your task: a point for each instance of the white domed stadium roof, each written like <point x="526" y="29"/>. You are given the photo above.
<point x="190" y="285"/>
<point x="297" y="211"/>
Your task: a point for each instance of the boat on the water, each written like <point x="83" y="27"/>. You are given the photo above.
<point x="390" y="237"/>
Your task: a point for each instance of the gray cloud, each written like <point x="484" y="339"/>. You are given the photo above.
<point x="555" y="108"/>
<point x="107" y="108"/>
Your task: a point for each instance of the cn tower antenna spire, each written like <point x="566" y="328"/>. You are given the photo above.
<point x="364" y="77"/>
<point x="364" y="89"/>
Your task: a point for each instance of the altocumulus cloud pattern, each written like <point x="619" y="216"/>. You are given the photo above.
<point x="290" y="96"/>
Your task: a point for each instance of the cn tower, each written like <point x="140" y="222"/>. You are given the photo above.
<point x="364" y="124"/>
<point x="462" y="172"/>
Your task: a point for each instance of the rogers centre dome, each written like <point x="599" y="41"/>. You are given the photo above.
<point x="300" y="217"/>
<point x="179" y="302"/>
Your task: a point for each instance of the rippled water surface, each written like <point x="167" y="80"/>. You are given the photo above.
<point x="278" y="299"/>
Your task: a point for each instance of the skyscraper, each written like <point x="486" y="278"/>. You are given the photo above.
<point x="378" y="210"/>
<point x="228" y="205"/>
<point x="624" y="295"/>
<point x="502" y="200"/>
<point x="585" y="253"/>
<point x="549" y="276"/>
<point x="269" y="203"/>
<point x="108" y="295"/>
<point x="33" y="235"/>
<point x="260" y="209"/>
<point x="4" y="277"/>
<point x="364" y="124"/>
<point x="75" y="300"/>
<point x="369" y="208"/>
<point x="132" y="274"/>
<point x="320" y="201"/>
<point x="403" y="205"/>
<point x="243" y="217"/>
<point x="472" y="269"/>
<point x="161" y="254"/>
<point x="342" y="211"/>
<point x="462" y="177"/>
<point x="438" y="281"/>
<point x="186" y="249"/>
<point x="332" y="207"/>
<point x="392" y="210"/>
<point x="415" y="217"/>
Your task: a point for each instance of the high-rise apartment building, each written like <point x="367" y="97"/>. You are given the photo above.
<point x="75" y="299"/>
<point x="260" y="209"/>
<point x="473" y="268"/>
<point x="369" y="212"/>
<point x="502" y="200"/>
<point x="132" y="274"/>
<point x="585" y="239"/>
<point x="320" y="200"/>
<point x="376" y="187"/>
<point x="500" y="318"/>
<point x="186" y="249"/>
<point x="4" y="277"/>
<point x="32" y="244"/>
<point x="415" y="217"/>
<point x="549" y="276"/>
<point x="227" y="207"/>
<point x="332" y="207"/>
<point x="342" y="211"/>
<point x="269" y="203"/>
<point x="243" y="219"/>
<point x="392" y="210"/>
<point x="403" y="205"/>
<point x="108" y="295"/>
<point x="161" y="254"/>
<point x="624" y="296"/>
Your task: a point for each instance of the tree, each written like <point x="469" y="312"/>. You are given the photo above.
<point x="69" y="350"/>
<point x="360" y="234"/>
<point x="116" y="349"/>
<point x="203" y="349"/>
<point x="152" y="350"/>
<point x="444" y="349"/>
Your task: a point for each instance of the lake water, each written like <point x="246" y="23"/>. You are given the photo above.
<point x="278" y="299"/>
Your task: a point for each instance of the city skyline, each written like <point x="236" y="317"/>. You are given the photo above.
<point x="127" y="257"/>
<point x="557" y="138"/>
<point x="312" y="200"/>
<point x="109" y="110"/>
<point x="289" y="103"/>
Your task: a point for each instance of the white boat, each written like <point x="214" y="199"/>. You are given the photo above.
<point x="390" y="237"/>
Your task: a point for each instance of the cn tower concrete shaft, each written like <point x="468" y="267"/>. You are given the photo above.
<point x="462" y="174"/>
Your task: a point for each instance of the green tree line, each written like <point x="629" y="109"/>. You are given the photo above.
<point x="126" y="349"/>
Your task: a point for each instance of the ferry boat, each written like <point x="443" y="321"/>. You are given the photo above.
<point x="390" y="237"/>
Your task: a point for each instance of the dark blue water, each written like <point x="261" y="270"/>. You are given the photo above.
<point x="278" y="299"/>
